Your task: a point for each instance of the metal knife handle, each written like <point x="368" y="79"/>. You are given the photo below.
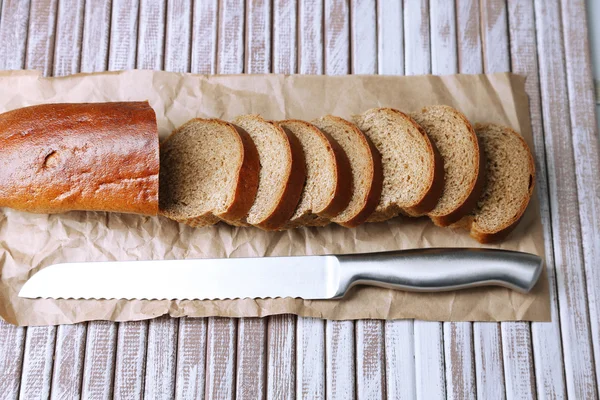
<point x="435" y="270"/>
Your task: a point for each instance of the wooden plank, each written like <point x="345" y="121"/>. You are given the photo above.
<point x="151" y="35"/>
<point x="310" y="362"/>
<point x="468" y="28"/>
<point x="494" y="36"/>
<point x="251" y="358"/>
<point x="40" y="36"/>
<point x="13" y="33"/>
<point x="68" y="361"/>
<point x="547" y="346"/>
<point x="123" y="35"/>
<point x="178" y="36"/>
<point x="258" y="37"/>
<point x="281" y="359"/>
<point x="96" y="34"/>
<point x="220" y="359"/>
<point x="460" y="362"/>
<point x="284" y="37"/>
<point x="130" y="361"/>
<point x="444" y="60"/>
<point x="69" y="30"/>
<point x="417" y="56"/>
<point x="400" y="360"/>
<point x="37" y="362"/>
<point x="489" y="372"/>
<point x="580" y="85"/>
<point x="340" y="370"/>
<point x="363" y="37"/>
<point x="370" y="360"/>
<point x="99" y="360"/>
<point x="191" y="358"/>
<point x="390" y="38"/>
<point x="12" y="345"/>
<point x="337" y="37"/>
<point x="230" y="47"/>
<point x="204" y="37"/>
<point x="310" y="37"/>
<point x="161" y="358"/>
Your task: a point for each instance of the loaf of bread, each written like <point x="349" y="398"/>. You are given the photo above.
<point x="96" y="156"/>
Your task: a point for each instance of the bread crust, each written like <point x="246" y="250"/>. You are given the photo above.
<point x="371" y="200"/>
<point x="476" y="186"/>
<point x="491" y="237"/>
<point x="56" y="158"/>
<point x="290" y="197"/>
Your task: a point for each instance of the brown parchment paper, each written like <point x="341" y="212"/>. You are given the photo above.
<point x="29" y="242"/>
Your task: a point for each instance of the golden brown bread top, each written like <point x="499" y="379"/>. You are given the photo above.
<point x="91" y="156"/>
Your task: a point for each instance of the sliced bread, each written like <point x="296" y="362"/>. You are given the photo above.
<point x="208" y="171"/>
<point x="510" y="178"/>
<point x="413" y="171"/>
<point x="463" y="159"/>
<point x="328" y="186"/>
<point x="282" y="172"/>
<point x="365" y="167"/>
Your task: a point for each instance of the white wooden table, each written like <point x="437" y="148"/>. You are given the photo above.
<point x="285" y="357"/>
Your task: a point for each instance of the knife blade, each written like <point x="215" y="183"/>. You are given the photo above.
<point x="307" y="277"/>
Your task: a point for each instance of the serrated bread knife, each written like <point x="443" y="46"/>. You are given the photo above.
<point x="307" y="277"/>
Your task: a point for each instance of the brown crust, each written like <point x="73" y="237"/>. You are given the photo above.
<point x="61" y="157"/>
<point x="295" y="183"/>
<point x="477" y="185"/>
<point x="490" y="237"/>
<point x="247" y="183"/>
<point x="374" y="193"/>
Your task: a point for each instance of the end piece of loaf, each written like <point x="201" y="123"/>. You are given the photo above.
<point x="365" y="166"/>
<point x="328" y="186"/>
<point x="282" y="172"/>
<point x="209" y="171"/>
<point x="510" y="178"/>
<point x="463" y="158"/>
<point x="56" y="158"/>
<point x="413" y="172"/>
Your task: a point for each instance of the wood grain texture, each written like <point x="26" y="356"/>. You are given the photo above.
<point x="468" y="30"/>
<point x="178" y="35"/>
<point x="363" y="36"/>
<point x="494" y="36"/>
<point x="547" y="346"/>
<point x="191" y="358"/>
<point x="69" y="31"/>
<point x="98" y="367"/>
<point x="340" y="367"/>
<point x="310" y="361"/>
<point x="130" y="362"/>
<point x="310" y="37"/>
<point x="580" y="85"/>
<point x="204" y="37"/>
<point x="96" y="34"/>
<point x="460" y="361"/>
<point x="489" y="372"/>
<point x="284" y="37"/>
<point x="417" y="56"/>
<point x="40" y="36"/>
<point x="390" y="38"/>
<point x="69" y="353"/>
<point x="251" y="358"/>
<point x="123" y="35"/>
<point x="281" y="357"/>
<point x="13" y="33"/>
<point x="221" y="359"/>
<point x="161" y="356"/>
<point x="400" y="360"/>
<point x="370" y="360"/>
<point x="12" y="345"/>
<point x="337" y="37"/>
<point x="230" y="46"/>
<point x="562" y="184"/>
<point x="429" y="360"/>
<point x="258" y="37"/>
<point x="38" y="355"/>
<point x="151" y="35"/>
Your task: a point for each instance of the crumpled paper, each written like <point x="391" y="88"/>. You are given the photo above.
<point x="29" y="242"/>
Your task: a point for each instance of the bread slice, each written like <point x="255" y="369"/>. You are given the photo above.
<point x="208" y="171"/>
<point x="282" y="172"/>
<point x="365" y="167"/>
<point x="510" y="178"/>
<point x="463" y="158"/>
<point x="328" y="185"/>
<point x="413" y="172"/>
